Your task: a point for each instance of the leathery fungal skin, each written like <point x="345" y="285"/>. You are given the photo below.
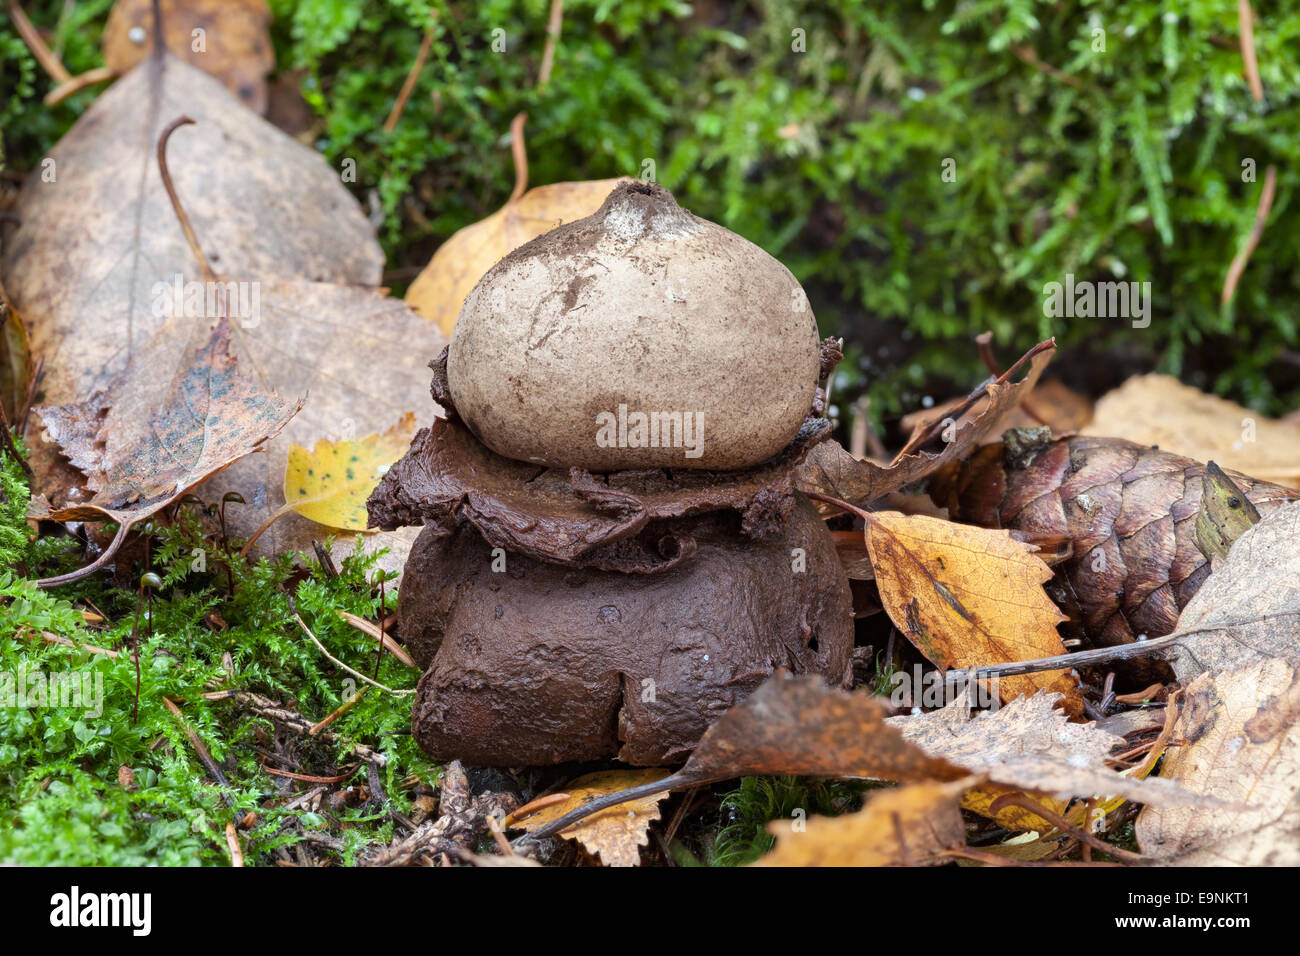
<point x="541" y="664"/>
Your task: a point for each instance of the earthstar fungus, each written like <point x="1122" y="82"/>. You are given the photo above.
<point x="580" y="593"/>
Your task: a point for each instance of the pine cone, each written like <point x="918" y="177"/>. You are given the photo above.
<point x="1125" y="515"/>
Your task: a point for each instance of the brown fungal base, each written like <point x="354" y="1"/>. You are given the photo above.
<point x="542" y="664"/>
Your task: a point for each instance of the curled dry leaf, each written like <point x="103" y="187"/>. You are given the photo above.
<point x="234" y="45"/>
<point x="1243" y="746"/>
<point x="1249" y="609"/>
<point x="830" y="470"/>
<point x="615" y="835"/>
<point x="1160" y="410"/>
<point x="967" y="596"/>
<point x="330" y="483"/>
<point x="138" y="458"/>
<point x="907" y="826"/>
<point x="440" y="290"/>
<point x="1030" y="746"/>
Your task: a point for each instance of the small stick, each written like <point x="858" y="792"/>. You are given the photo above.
<point x="1064" y="825"/>
<point x="99" y="562"/>
<point x="519" y="151"/>
<point x="541" y="803"/>
<point x="1239" y="261"/>
<point x="56" y="639"/>
<point x="553" y="23"/>
<point x="338" y="712"/>
<point x="205" y="757"/>
<point x="10" y="446"/>
<point x="100" y="74"/>
<point x="232" y="842"/>
<point x="390" y="645"/>
<point x="1246" y="24"/>
<point x="498" y="837"/>
<point x="409" y="85"/>
<point x="308" y="778"/>
<point x="984" y="342"/>
<point x="32" y="37"/>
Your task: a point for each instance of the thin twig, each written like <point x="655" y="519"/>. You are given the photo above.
<point x="205" y="757"/>
<point x="65" y="642"/>
<point x="336" y="713"/>
<point x="1262" y="210"/>
<point x="553" y="23"/>
<point x="519" y="152"/>
<point x="100" y="74"/>
<point x="95" y="565"/>
<point x="1246" y="25"/>
<point x="232" y="842"/>
<point x="388" y="644"/>
<point x="414" y="74"/>
<point x="32" y="37"/>
<point x="1064" y="825"/>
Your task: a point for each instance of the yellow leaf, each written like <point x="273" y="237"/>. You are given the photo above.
<point x="330" y="483"/>
<point x="904" y="826"/>
<point x="617" y="834"/>
<point x="440" y="290"/>
<point x="967" y="596"/>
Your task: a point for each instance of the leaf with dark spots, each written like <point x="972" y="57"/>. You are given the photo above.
<point x="140" y="457"/>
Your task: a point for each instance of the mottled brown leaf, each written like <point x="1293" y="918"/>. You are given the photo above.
<point x="1243" y="747"/>
<point x="138" y="458"/>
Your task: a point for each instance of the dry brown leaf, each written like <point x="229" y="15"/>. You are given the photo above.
<point x="1030" y="746"/>
<point x="439" y="291"/>
<point x="907" y="826"/>
<point x="1160" y="410"/>
<point x="1243" y="746"/>
<point x="234" y="46"/>
<point x="830" y="470"/>
<point x="615" y="835"/>
<point x="83" y="266"/>
<point x="1248" y="610"/>
<point x="139" y="458"/>
<point x="968" y="596"/>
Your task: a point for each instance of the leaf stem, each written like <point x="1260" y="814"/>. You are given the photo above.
<point x="163" y="171"/>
